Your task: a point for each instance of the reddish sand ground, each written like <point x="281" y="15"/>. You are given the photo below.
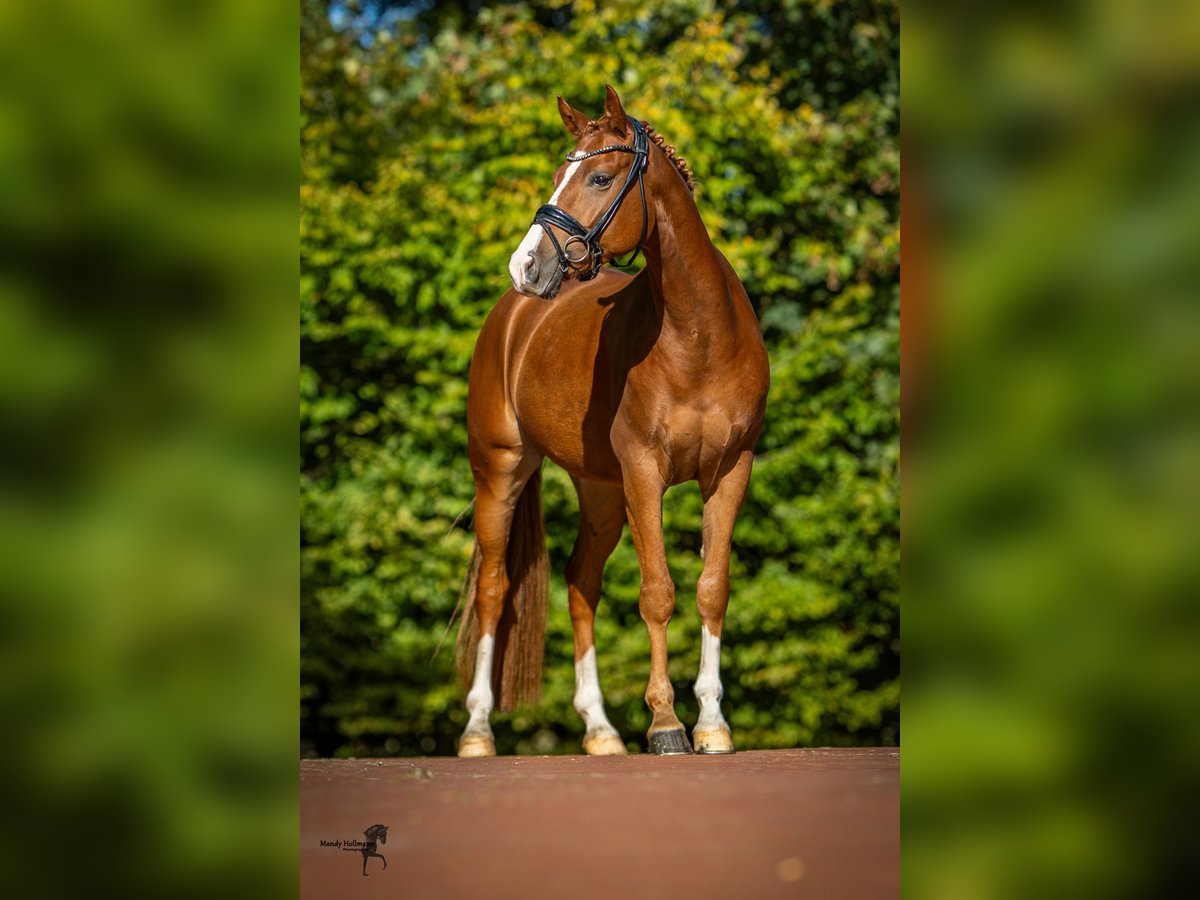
<point x="787" y="823"/>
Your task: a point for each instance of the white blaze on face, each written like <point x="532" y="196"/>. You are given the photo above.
<point x="589" y="701"/>
<point x="516" y="262"/>
<point x="708" y="683"/>
<point x="480" y="700"/>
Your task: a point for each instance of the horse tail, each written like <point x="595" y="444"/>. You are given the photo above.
<point x="521" y="634"/>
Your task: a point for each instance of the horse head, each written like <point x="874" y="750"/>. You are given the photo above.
<point x="598" y="210"/>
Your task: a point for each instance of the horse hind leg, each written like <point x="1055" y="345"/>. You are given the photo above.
<point x="601" y="520"/>
<point x="499" y="483"/>
<point x="712" y="734"/>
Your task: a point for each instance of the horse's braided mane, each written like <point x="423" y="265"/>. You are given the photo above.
<point x="678" y="161"/>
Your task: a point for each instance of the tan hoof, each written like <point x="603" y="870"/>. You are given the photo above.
<point x="716" y="741"/>
<point x="476" y="745"/>
<point x="604" y="745"/>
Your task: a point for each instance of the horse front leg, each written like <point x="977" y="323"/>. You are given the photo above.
<point x="644" y="488"/>
<point x="721" y="505"/>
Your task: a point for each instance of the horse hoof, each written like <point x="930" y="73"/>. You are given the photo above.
<point x="713" y="742"/>
<point x="604" y="745"/>
<point x="475" y="746"/>
<point x="670" y="743"/>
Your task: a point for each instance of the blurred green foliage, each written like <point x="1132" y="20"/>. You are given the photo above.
<point x="148" y="568"/>
<point x="429" y="137"/>
<point x="1051" y="620"/>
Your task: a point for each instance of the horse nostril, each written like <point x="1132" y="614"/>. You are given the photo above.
<point x="531" y="269"/>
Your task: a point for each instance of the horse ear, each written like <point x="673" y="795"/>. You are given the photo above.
<point x="572" y="118"/>
<point x="613" y="110"/>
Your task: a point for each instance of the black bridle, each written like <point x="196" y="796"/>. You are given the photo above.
<point x="589" y="238"/>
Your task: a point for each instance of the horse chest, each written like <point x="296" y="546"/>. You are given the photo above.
<point x="693" y="432"/>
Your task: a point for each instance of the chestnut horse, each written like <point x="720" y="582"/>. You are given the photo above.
<point x="631" y="384"/>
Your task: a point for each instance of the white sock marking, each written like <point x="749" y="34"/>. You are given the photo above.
<point x="589" y="701"/>
<point x="480" y="700"/>
<point x="708" y="682"/>
<point x="529" y="243"/>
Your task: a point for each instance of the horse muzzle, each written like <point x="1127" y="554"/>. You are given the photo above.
<point x="534" y="267"/>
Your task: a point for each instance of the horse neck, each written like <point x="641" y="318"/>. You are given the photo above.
<point x="686" y="276"/>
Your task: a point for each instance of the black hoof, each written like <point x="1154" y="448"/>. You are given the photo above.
<point x="670" y="743"/>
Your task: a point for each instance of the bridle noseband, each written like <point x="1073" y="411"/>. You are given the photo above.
<point x="588" y="239"/>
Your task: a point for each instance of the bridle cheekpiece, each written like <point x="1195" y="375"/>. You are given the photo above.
<point x="588" y="239"/>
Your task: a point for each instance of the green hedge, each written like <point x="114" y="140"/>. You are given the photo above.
<point x="428" y="140"/>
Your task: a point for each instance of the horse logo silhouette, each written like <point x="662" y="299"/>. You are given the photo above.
<point x="375" y="835"/>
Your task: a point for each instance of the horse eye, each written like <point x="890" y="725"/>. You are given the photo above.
<point x="601" y="180"/>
